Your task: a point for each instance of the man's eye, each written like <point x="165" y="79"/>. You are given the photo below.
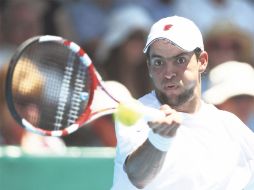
<point x="181" y="60"/>
<point x="157" y="62"/>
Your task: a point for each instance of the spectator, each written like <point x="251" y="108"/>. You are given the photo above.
<point x="21" y="19"/>
<point x="88" y="20"/>
<point x="99" y="133"/>
<point x="239" y="12"/>
<point x="231" y="89"/>
<point x="13" y="134"/>
<point x="120" y="53"/>
<point x="224" y="42"/>
<point x="160" y="8"/>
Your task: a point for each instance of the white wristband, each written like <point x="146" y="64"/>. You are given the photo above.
<point x="159" y="142"/>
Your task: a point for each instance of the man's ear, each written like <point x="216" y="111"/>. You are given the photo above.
<point x="203" y="61"/>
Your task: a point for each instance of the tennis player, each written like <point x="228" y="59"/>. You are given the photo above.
<point x="195" y="146"/>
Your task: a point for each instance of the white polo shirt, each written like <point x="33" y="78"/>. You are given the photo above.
<point x="212" y="150"/>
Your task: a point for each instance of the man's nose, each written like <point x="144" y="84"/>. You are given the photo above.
<point x="169" y="71"/>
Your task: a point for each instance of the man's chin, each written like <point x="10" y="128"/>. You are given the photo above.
<point x="176" y="98"/>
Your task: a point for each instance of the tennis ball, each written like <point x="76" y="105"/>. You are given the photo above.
<point x="128" y="113"/>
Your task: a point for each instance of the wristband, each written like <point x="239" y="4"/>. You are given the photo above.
<point x="159" y="142"/>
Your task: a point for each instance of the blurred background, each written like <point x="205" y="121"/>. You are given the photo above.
<point x="113" y="32"/>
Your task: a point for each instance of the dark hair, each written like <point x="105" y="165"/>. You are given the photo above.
<point x="197" y="52"/>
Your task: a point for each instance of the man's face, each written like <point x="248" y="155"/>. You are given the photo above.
<point x="175" y="73"/>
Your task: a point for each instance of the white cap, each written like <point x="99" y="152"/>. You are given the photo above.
<point x="229" y="79"/>
<point x="123" y="22"/>
<point x="181" y="31"/>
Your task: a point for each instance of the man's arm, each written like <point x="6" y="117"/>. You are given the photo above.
<point x="145" y="163"/>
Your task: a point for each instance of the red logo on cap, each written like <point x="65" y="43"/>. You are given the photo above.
<point x="167" y="27"/>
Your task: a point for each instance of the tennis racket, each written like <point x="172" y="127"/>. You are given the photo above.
<point x="53" y="88"/>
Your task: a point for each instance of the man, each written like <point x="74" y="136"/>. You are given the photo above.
<point x="195" y="146"/>
<point x="231" y="88"/>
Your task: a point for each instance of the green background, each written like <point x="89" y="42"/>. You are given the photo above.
<point x="75" y="169"/>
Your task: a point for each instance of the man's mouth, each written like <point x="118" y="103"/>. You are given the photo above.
<point x="171" y="86"/>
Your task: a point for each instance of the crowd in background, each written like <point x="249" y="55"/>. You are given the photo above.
<point x="113" y="32"/>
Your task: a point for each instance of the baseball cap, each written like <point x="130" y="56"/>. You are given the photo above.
<point x="229" y="79"/>
<point x="121" y="23"/>
<point x="181" y="31"/>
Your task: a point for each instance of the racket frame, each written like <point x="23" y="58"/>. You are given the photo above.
<point x="96" y="81"/>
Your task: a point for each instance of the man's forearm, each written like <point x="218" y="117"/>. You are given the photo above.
<point x="144" y="164"/>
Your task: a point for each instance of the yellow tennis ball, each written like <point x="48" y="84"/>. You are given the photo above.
<point x="128" y="113"/>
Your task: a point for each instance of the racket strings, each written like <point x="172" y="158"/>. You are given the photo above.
<point x="64" y="92"/>
<point x="78" y="95"/>
<point x="74" y="89"/>
<point x="27" y="89"/>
